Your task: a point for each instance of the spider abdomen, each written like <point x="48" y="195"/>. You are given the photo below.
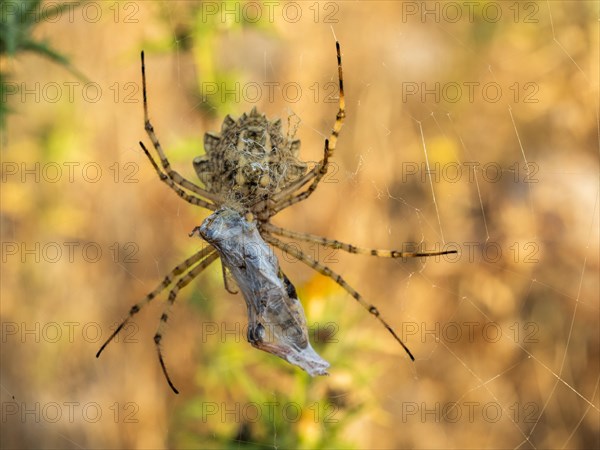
<point x="249" y="161"/>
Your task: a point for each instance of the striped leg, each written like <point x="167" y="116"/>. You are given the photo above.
<point x="324" y="270"/>
<point x="332" y="243"/>
<point x="228" y="281"/>
<point x="289" y="191"/>
<point x="181" y="283"/>
<point x="178" y="270"/>
<point x="172" y="174"/>
<point x="169" y="182"/>
<point x="285" y="198"/>
<point x="321" y="171"/>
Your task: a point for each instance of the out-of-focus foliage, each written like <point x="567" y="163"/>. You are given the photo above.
<point x="201" y="32"/>
<point x="17" y="23"/>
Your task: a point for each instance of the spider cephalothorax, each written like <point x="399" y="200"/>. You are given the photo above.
<point x="249" y="161"/>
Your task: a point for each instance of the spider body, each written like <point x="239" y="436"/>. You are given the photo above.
<point x="248" y="162"/>
<point x="249" y="173"/>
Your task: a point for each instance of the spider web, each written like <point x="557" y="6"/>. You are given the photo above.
<point x="557" y="370"/>
<point x="430" y="208"/>
<point x="528" y="185"/>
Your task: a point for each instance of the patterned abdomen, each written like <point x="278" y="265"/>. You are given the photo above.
<point x="249" y="161"/>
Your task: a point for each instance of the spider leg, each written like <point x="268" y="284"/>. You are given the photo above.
<point x="172" y="174"/>
<point x="300" y="182"/>
<point x="180" y="192"/>
<point x="227" y="282"/>
<point x="319" y="171"/>
<point x="324" y="270"/>
<point x="181" y="283"/>
<point x="177" y="270"/>
<point x="332" y="243"/>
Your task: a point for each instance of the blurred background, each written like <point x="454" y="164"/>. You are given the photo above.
<point x="469" y="126"/>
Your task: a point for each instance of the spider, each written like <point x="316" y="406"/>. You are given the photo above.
<point x="251" y="168"/>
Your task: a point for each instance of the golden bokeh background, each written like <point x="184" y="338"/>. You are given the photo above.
<point x="499" y="99"/>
